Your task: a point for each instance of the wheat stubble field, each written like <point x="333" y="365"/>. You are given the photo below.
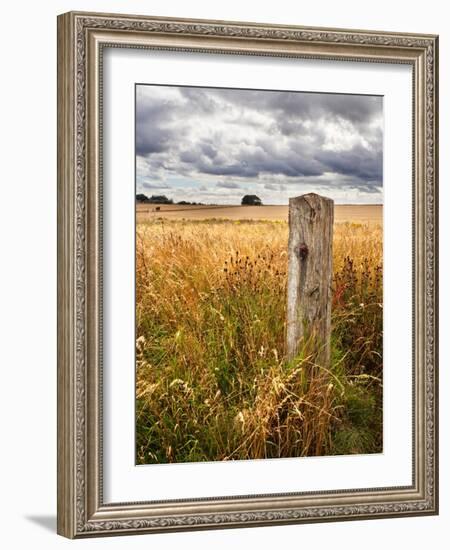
<point x="342" y="212"/>
<point x="212" y="379"/>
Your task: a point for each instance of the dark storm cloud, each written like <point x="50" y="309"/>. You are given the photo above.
<point x="208" y="150"/>
<point x="252" y="136"/>
<point x="358" y="162"/>
<point x="156" y="141"/>
<point x="259" y="164"/>
<point x="356" y="108"/>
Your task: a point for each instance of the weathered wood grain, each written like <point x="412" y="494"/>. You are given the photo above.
<point x="310" y="263"/>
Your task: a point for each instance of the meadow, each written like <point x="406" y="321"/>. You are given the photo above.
<point x="212" y="380"/>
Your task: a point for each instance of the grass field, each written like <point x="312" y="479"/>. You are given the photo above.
<point x="212" y="379"/>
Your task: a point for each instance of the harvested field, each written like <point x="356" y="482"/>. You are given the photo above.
<point x="342" y="212"/>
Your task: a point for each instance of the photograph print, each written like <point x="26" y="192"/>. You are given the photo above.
<point x="259" y="274"/>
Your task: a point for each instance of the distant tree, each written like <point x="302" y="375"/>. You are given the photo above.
<point x="160" y="199"/>
<point x="141" y="198"/>
<point x="251" y="200"/>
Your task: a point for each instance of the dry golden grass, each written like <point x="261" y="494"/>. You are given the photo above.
<point x="212" y="379"/>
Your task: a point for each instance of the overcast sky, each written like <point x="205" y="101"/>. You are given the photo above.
<point x="216" y="145"/>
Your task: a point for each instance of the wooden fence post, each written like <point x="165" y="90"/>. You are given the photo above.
<point x="310" y="264"/>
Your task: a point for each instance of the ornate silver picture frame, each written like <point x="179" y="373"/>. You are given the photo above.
<point x="82" y="40"/>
